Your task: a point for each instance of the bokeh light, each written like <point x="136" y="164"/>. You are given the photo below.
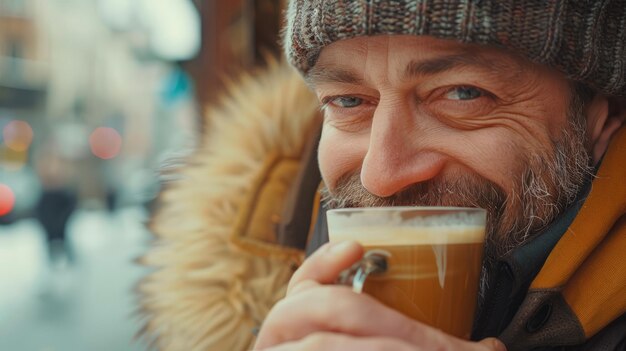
<point x="173" y="26"/>
<point x="18" y="135"/>
<point x="3" y="122"/>
<point x="7" y="199"/>
<point x="12" y="160"/>
<point x="105" y="142"/>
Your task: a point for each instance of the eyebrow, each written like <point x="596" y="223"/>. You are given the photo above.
<point x="324" y="74"/>
<point x="320" y="74"/>
<point x="447" y="63"/>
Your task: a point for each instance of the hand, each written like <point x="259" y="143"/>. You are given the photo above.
<point x="316" y="315"/>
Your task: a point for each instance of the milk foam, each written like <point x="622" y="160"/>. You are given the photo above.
<point x="401" y="236"/>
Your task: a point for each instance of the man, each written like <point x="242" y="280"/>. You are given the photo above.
<point x="418" y="110"/>
<point x="512" y="106"/>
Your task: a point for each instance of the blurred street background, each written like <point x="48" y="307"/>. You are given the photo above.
<point x="97" y="97"/>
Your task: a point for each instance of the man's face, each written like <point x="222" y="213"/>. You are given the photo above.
<point x="421" y="121"/>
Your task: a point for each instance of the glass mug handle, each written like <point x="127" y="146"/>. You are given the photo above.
<point x="373" y="262"/>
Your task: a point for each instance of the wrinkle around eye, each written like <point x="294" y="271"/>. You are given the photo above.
<point x="524" y="127"/>
<point x="349" y="119"/>
<point x="462" y="111"/>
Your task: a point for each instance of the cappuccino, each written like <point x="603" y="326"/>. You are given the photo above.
<point x="433" y="262"/>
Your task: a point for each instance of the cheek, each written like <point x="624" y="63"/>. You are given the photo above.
<point x="498" y="157"/>
<point x="340" y="154"/>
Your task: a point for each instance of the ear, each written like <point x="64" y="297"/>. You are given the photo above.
<point x="605" y="116"/>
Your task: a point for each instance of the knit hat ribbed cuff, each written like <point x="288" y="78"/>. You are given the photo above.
<point x="585" y="39"/>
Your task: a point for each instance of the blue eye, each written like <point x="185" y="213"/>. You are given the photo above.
<point x="464" y="93"/>
<point x="346" y="101"/>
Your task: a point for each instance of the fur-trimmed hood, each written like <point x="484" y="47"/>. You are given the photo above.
<point x="208" y="291"/>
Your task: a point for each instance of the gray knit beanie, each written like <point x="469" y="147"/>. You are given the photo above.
<point x="585" y="39"/>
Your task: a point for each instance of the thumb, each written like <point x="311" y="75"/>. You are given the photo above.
<point x="325" y="265"/>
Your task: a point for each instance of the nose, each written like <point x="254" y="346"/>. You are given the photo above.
<point x="399" y="152"/>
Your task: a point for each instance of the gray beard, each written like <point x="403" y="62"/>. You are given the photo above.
<point x="550" y="183"/>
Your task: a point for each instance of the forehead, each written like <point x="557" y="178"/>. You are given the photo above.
<point x="397" y="57"/>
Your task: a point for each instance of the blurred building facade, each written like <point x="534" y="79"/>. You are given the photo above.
<point x="92" y="94"/>
<point x="236" y="35"/>
<point x="23" y="87"/>
<point x="22" y="54"/>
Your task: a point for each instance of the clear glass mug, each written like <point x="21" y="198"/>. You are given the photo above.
<point x="422" y="261"/>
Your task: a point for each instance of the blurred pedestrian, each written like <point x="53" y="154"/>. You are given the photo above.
<point x="57" y="202"/>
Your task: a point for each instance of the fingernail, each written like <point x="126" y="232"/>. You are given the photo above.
<point x="341" y="247"/>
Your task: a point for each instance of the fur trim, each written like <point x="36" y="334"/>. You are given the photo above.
<point x="207" y="293"/>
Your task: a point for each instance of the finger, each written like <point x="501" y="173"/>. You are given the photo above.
<point x="339" y="309"/>
<point x="342" y="342"/>
<point x="493" y="344"/>
<point x="325" y="265"/>
<point x="303" y="285"/>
